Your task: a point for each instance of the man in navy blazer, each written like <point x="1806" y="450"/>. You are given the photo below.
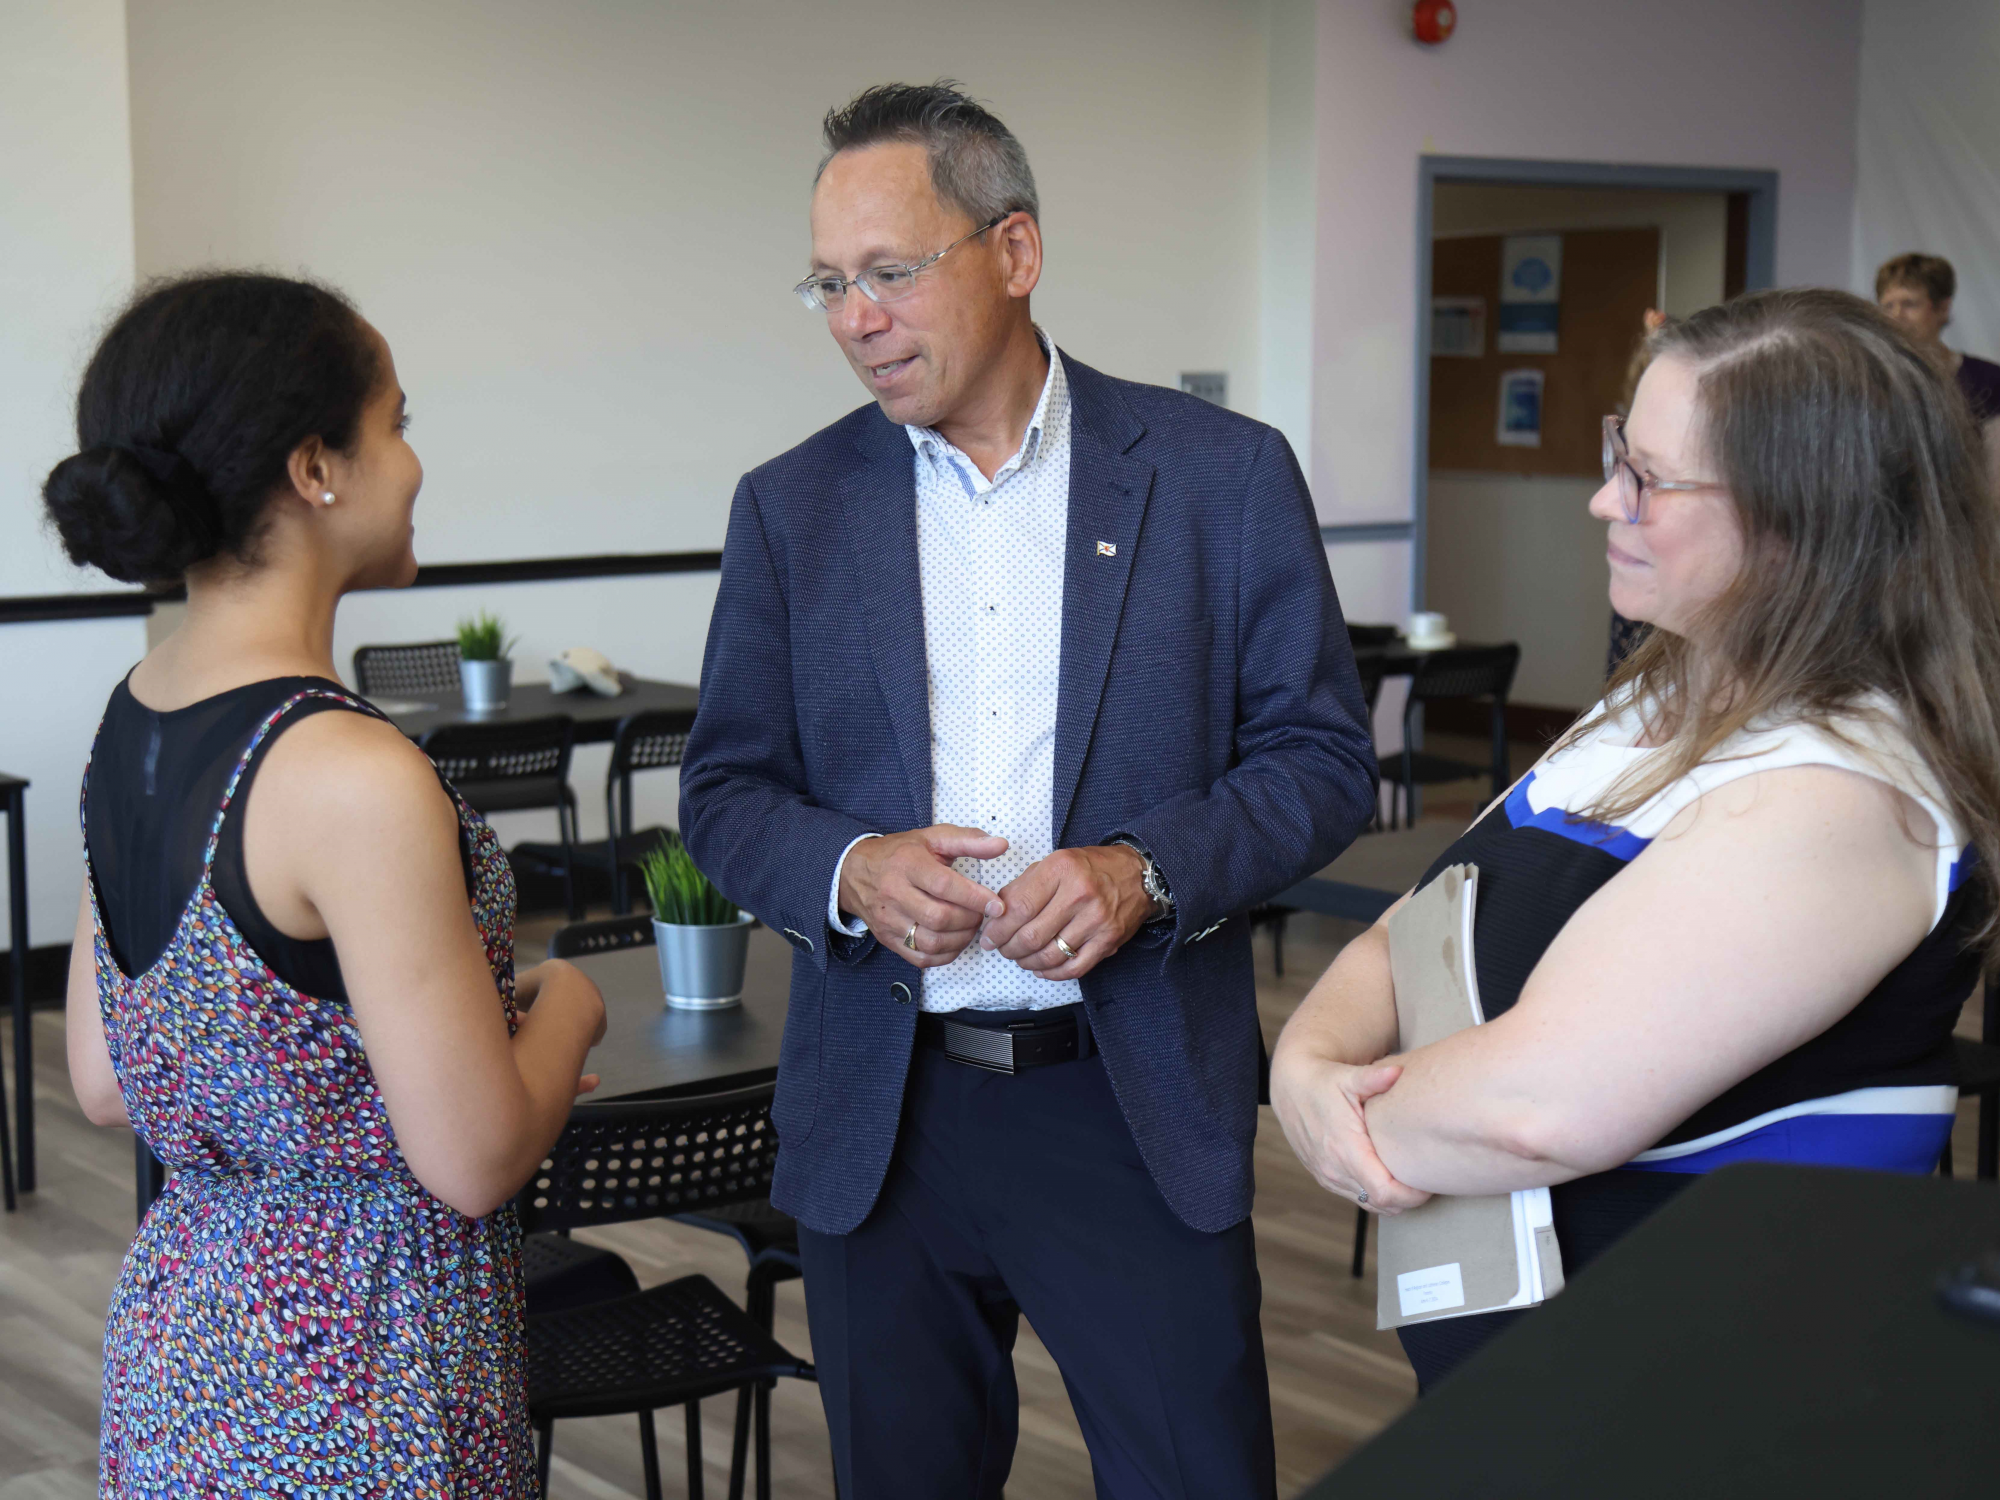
<point x="1023" y="684"/>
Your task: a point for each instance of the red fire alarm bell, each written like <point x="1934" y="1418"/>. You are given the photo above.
<point x="1433" y="20"/>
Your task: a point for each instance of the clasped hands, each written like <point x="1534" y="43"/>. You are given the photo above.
<point x="1092" y="899"/>
<point x="1321" y="1105"/>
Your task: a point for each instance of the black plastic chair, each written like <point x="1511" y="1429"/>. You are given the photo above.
<point x="425" y="669"/>
<point x="671" y="1345"/>
<point x="1470" y="672"/>
<point x="1360" y="637"/>
<point x="1979" y="1075"/>
<point x="1272" y="914"/>
<point x="651" y="740"/>
<point x="513" y="767"/>
<point x="563" y="1274"/>
<point x="769" y="1236"/>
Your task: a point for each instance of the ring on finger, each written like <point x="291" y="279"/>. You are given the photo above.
<point x="910" y="938"/>
<point x="1067" y="951"/>
<point x="1362" y="1196"/>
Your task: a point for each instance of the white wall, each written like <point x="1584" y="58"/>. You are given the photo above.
<point x="65" y="252"/>
<point x="65" y="260"/>
<point x="1928" y="152"/>
<point x="578" y="225"/>
<point x="1695" y="83"/>
<point x="1290" y="227"/>
<point x="1518" y="558"/>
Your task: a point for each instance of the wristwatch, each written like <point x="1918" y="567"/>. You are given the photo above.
<point x="1155" y="882"/>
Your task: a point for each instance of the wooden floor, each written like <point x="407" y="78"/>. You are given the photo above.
<point x="1334" y="1380"/>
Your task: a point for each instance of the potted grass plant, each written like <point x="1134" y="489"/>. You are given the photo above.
<point x="704" y="941"/>
<point x="485" y="662"/>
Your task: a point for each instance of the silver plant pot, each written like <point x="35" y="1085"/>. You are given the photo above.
<point x="485" y="684"/>
<point x="701" y="968"/>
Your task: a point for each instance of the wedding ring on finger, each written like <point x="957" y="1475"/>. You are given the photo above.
<point x="910" y="938"/>
<point x="1362" y="1196"/>
<point x="1067" y="951"/>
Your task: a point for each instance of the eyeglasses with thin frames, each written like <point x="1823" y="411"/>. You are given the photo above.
<point x="1634" y="487"/>
<point x="880" y="283"/>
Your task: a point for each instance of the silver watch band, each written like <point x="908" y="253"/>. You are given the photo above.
<point x="1154" y="882"/>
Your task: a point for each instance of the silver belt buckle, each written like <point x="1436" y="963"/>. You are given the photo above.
<point x="979" y="1047"/>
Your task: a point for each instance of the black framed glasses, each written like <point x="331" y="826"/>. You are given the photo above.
<point x="1634" y="487"/>
<point x="880" y="283"/>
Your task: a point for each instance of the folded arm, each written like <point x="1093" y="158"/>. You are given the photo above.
<point x="1760" y="918"/>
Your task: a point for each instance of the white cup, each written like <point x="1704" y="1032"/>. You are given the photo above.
<point x="1425" y="625"/>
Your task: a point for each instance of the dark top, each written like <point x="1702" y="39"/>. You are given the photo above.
<point x="1535" y="871"/>
<point x="155" y="782"/>
<point x="1980" y="380"/>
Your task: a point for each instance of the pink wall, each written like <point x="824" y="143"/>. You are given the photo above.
<point x="1713" y="83"/>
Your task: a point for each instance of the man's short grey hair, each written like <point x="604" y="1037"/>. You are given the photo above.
<point x="977" y="166"/>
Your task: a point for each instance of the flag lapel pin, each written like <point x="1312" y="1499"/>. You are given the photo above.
<point x="1107" y="549"/>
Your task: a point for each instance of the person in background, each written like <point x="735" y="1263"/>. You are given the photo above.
<point x="293" y="968"/>
<point x="1916" y="290"/>
<point x="1022" y="682"/>
<point x="1734" y="914"/>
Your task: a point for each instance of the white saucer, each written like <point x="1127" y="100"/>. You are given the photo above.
<point x="1431" y="642"/>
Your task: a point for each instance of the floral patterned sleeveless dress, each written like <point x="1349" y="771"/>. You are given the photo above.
<point x="297" y="1316"/>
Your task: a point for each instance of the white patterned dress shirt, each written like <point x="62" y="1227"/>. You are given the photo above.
<point x="990" y="559"/>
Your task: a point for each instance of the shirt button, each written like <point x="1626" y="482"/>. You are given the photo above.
<point x="900" y="993"/>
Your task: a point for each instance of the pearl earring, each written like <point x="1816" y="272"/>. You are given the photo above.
<point x="326" y="497"/>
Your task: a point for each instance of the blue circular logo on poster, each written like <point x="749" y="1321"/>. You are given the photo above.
<point x="1532" y="274"/>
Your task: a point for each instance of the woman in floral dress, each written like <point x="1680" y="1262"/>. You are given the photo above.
<point x="293" y="967"/>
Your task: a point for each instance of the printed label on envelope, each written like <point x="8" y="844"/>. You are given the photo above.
<point x="1434" y="1289"/>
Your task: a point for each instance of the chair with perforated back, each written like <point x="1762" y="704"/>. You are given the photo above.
<point x="670" y="1345"/>
<point x="650" y="740"/>
<point x="769" y="1236"/>
<point x="1469" y="672"/>
<point x="424" y="669"/>
<point x="1272" y="914"/>
<point x="513" y="767"/>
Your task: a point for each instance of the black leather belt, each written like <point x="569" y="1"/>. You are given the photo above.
<point x="1008" y="1041"/>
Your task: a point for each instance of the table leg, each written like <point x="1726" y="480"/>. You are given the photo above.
<point x="152" y="1176"/>
<point x="24" y="1056"/>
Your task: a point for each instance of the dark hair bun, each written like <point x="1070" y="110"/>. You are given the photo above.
<point x="114" y="516"/>
<point x="190" y="411"/>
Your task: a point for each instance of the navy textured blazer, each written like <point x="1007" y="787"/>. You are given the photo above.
<point x="1208" y="708"/>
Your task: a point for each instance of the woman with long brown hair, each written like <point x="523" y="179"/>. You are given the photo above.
<point x="1734" y="913"/>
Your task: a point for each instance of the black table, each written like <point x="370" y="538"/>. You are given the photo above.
<point x="1375" y="870"/>
<point x="1399" y="658"/>
<point x="1771" y="1332"/>
<point x="596" y="718"/>
<point x="14" y="792"/>
<point x="650" y="1051"/>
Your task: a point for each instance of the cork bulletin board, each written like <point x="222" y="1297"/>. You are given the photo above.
<point x="1609" y="278"/>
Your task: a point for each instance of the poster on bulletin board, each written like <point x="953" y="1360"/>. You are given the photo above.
<point x="1520" y="424"/>
<point x="1530" y="293"/>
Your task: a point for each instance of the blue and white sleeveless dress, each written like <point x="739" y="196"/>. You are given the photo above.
<point x="1876" y="1089"/>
